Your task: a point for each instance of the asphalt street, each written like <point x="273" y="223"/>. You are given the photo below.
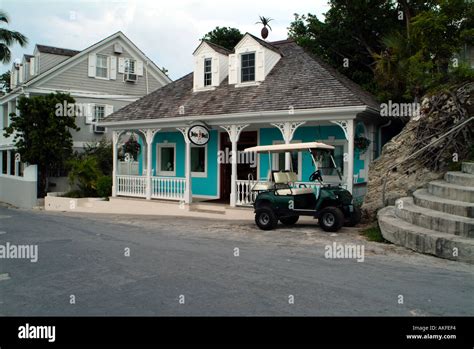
<point x="143" y="265"/>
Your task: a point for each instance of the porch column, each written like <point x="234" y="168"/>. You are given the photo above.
<point x="350" y="154"/>
<point x="349" y="132"/>
<point x="115" y="139"/>
<point x="188" y="190"/>
<point x="149" y="136"/>
<point x="287" y="130"/>
<point x="234" y="134"/>
<point x="9" y="161"/>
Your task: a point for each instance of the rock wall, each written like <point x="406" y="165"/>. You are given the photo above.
<point x="439" y="113"/>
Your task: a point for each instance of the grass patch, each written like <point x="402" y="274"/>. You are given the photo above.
<point x="373" y="234"/>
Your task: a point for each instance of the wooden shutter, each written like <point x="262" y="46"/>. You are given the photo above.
<point x="233" y="69"/>
<point x="121" y="65"/>
<point x="113" y="67"/>
<point x="32" y="66"/>
<point x="139" y="70"/>
<point x="92" y="59"/>
<point x="259" y="66"/>
<point x="109" y="109"/>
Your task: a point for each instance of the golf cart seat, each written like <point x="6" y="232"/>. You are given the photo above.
<point x="283" y="179"/>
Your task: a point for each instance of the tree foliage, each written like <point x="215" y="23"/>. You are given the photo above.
<point x="9" y="38"/>
<point x="395" y="49"/>
<point x="226" y="37"/>
<point x="40" y="136"/>
<point x="5" y="82"/>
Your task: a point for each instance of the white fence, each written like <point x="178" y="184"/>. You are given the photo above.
<point x="170" y="188"/>
<point x="131" y="186"/>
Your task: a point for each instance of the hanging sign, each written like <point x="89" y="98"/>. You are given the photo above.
<point x="199" y="135"/>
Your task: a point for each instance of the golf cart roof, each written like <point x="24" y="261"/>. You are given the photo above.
<point x="281" y="148"/>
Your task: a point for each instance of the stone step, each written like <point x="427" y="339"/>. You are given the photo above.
<point x="424" y="240"/>
<point x="433" y="220"/>
<point x="468" y="167"/>
<point x="423" y="198"/>
<point x="460" y="178"/>
<point x="451" y="191"/>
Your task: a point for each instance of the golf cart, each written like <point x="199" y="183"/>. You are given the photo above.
<point x="281" y="199"/>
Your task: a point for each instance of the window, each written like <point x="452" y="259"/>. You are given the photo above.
<point x="166" y="159"/>
<point x="130" y="66"/>
<point x="99" y="112"/>
<point x="101" y="66"/>
<point x="198" y="161"/>
<point x="12" y="163"/>
<point x="248" y="67"/>
<point x="208" y="72"/>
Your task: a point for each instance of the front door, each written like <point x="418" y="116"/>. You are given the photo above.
<point x="246" y="140"/>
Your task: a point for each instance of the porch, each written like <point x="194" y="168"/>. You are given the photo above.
<point x="172" y="168"/>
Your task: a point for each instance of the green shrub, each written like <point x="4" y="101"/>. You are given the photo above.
<point x="104" y="186"/>
<point x="76" y="194"/>
<point x="84" y="171"/>
<point x="373" y="234"/>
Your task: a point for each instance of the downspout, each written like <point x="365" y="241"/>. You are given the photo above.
<point x="379" y="145"/>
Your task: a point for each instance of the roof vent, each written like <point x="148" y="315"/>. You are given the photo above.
<point x="118" y="48"/>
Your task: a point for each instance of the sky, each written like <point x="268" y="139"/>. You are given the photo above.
<point x="167" y="31"/>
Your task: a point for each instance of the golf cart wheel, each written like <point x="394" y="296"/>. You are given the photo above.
<point x="331" y="219"/>
<point x="266" y="218"/>
<point x="354" y="219"/>
<point x="289" y="220"/>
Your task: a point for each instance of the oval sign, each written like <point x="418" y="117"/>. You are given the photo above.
<point x="199" y="135"/>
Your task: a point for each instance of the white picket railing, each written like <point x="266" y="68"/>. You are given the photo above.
<point x="245" y="196"/>
<point x="171" y="188"/>
<point x="131" y="186"/>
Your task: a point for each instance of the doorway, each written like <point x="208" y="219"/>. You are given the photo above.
<point x="246" y="140"/>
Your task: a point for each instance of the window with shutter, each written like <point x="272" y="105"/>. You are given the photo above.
<point x="101" y="68"/>
<point x="208" y="72"/>
<point x="248" y="67"/>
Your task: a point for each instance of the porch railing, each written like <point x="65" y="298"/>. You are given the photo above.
<point x="171" y="188"/>
<point x="131" y="186"/>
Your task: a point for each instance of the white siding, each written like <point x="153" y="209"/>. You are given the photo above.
<point x="219" y="67"/>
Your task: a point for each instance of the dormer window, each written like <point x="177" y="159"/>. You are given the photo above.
<point x="248" y="67"/>
<point x="208" y="72"/>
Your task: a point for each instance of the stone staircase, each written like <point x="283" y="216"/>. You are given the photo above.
<point x="438" y="220"/>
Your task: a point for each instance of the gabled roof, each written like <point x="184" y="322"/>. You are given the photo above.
<point x="56" y="50"/>
<point x="299" y="80"/>
<point x="270" y="46"/>
<point x="215" y="47"/>
<point x="27" y="58"/>
<point x="85" y="52"/>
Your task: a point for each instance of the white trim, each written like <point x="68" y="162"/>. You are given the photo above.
<point x="200" y="174"/>
<point x="317" y="114"/>
<point x="218" y="191"/>
<point x="158" y="160"/>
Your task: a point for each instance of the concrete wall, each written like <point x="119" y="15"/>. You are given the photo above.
<point x="20" y="191"/>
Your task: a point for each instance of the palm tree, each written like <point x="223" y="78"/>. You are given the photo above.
<point x="8" y="38"/>
<point x="264" y="21"/>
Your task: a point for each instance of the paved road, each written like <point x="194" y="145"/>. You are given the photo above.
<point x="84" y="256"/>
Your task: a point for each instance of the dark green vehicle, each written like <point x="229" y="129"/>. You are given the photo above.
<point x="280" y="199"/>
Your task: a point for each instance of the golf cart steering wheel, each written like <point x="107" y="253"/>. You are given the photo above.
<point x="316" y="176"/>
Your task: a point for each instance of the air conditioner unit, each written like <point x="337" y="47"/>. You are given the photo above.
<point x="130" y="77"/>
<point x="99" y="129"/>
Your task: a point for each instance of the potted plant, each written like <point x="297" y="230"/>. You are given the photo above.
<point x="361" y="144"/>
<point x="132" y="147"/>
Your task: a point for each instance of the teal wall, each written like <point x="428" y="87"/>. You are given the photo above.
<point x="200" y="185"/>
<point x="304" y="134"/>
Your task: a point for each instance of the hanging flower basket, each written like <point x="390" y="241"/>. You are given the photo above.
<point x="361" y="144"/>
<point x="132" y="147"/>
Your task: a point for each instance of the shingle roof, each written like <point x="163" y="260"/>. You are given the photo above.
<point x="57" y="50"/>
<point x="299" y="79"/>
